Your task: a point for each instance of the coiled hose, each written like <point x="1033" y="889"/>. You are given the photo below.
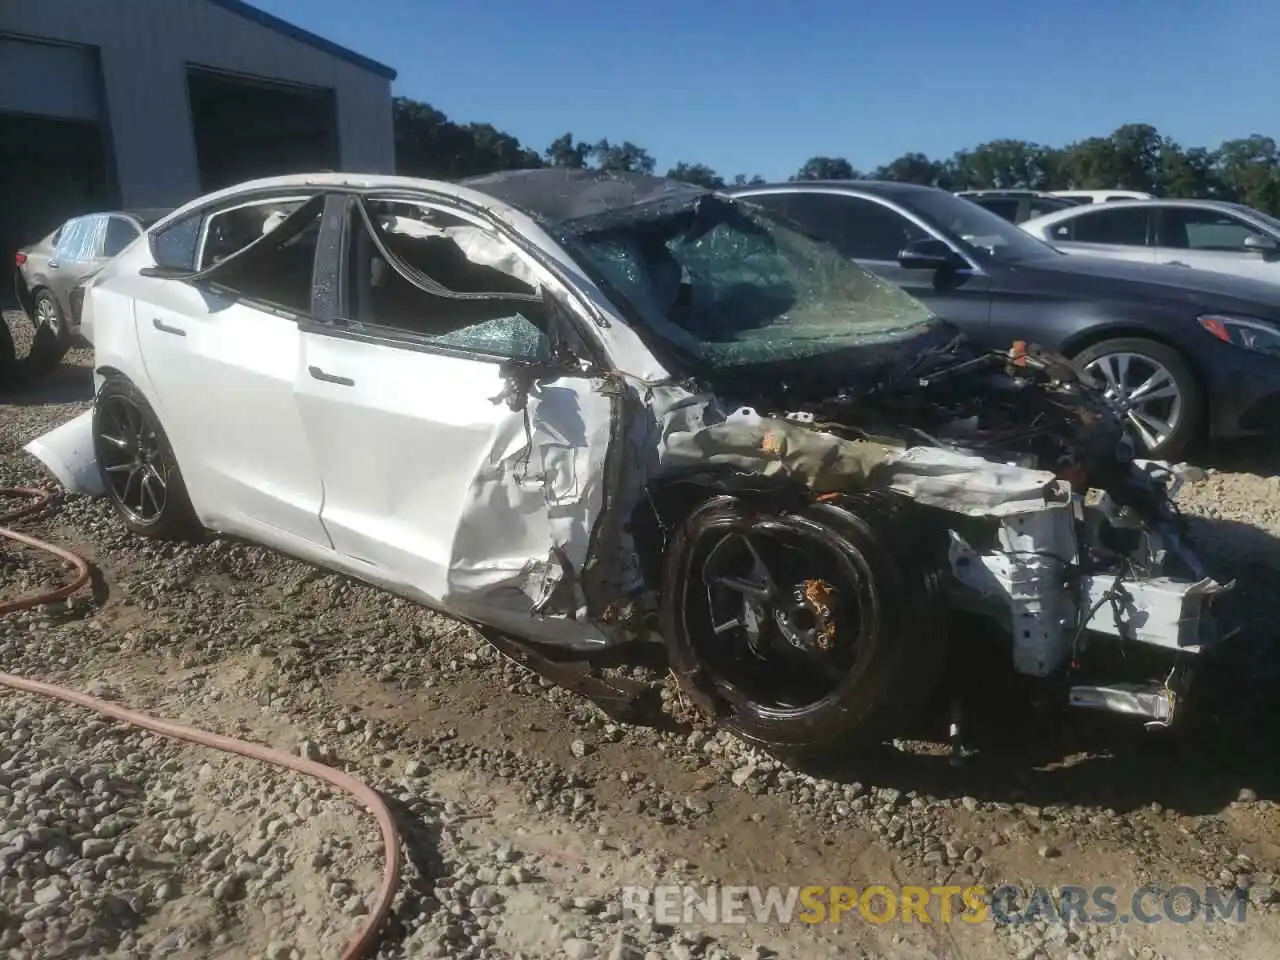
<point x="362" y="944"/>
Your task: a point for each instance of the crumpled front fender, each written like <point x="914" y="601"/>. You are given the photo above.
<point x="67" y="453"/>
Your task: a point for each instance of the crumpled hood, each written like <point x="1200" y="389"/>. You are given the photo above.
<point x="1124" y="279"/>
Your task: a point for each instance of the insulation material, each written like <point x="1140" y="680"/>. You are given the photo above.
<point x="971" y="485"/>
<point x="479" y="245"/>
<point x="775" y="448"/>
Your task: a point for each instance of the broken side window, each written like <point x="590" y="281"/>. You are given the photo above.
<point x="229" y="231"/>
<point x="444" y="280"/>
<point x="274" y="273"/>
<point x="174" y="246"/>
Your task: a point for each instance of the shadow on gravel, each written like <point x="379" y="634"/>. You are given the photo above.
<point x="420" y="839"/>
<point x="1257" y="455"/>
<point x="1225" y="739"/>
<point x="65" y="383"/>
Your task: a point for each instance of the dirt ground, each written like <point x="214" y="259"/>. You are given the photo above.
<point x="525" y="811"/>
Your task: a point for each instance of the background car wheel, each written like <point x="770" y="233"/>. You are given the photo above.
<point x="811" y="633"/>
<point x="137" y="465"/>
<point x="1156" y="391"/>
<point x="51" y="337"/>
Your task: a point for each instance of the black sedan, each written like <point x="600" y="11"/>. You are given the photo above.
<point x="1184" y="352"/>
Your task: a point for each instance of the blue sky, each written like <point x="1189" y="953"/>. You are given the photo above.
<point x="759" y="86"/>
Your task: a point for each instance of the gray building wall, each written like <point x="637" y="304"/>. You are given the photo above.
<point x="144" y="47"/>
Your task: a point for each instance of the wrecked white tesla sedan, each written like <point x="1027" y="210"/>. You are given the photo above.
<point x="584" y="410"/>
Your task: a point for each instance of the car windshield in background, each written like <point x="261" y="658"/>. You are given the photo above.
<point x="981" y="232"/>
<point x="732" y="286"/>
<point x="1263" y="218"/>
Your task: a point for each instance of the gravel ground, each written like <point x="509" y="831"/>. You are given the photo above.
<point x="524" y="809"/>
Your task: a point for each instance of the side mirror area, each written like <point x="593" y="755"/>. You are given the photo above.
<point x="1261" y="242"/>
<point x="167" y="273"/>
<point x="929" y="254"/>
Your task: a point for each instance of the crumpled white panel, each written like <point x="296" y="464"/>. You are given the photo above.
<point x="968" y="484"/>
<point x="67" y="453"/>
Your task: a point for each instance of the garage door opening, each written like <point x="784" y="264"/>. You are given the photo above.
<point x="49" y="170"/>
<point x="247" y="127"/>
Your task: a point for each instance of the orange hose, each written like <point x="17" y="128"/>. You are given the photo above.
<point x="362" y="944"/>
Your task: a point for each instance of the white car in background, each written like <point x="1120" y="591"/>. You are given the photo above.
<point x="1101" y="196"/>
<point x="1205" y="234"/>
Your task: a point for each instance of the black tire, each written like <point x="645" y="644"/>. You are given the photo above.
<point x="51" y="336"/>
<point x="1192" y="417"/>
<point x="150" y="498"/>
<point x="899" y="650"/>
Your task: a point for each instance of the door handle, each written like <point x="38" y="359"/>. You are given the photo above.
<point x="1174" y="263"/>
<point x="331" y="378"/>
<point x="53" y="264"/>
<point x="165" y="328"/>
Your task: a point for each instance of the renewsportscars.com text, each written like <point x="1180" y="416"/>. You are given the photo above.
<point x="877" y="903"/>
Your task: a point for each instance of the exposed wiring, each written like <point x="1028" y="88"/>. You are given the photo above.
<point x="366" y="938"/>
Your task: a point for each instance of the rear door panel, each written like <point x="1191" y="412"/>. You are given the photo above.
<point x="222" y="366"/>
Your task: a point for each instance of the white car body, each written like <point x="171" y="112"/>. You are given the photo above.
<point x="419" y="469"/>
<point x="1202" y="234"/>
<point x="1103" y="196"/>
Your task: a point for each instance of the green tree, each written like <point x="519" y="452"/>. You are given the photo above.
<point x="565" y="151"/>
<point x="913" y="168"/>
<point x="741" y="180"/>
<point x="826" y="168"/>
<point x="1001" y="165"/>
<point x="624" y="157"/>
<point x="429" y="144"/>
<point x="696" y="173"/>
<point x="1250" y="170"/>
<point x="1190" y="173"/>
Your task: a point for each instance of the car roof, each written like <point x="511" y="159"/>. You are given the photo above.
<point x="146" y="215"/>
<point x="1114" y="192"/>
<point x="548" y="193"/>
<point x="1057" y="215"/>
<point x="1004" y="193"/>
<point x="562" y="194"/>
<point x="881" y="188"/>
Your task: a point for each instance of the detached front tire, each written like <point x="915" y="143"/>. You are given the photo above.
<point x="137" y="465"/>
<point x="809" y="633"/>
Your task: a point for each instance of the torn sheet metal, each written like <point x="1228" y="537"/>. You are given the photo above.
<point x="525" y="529"/>
<point x="67" y="453"/>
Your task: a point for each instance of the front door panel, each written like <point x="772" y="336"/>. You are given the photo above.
<point x="223" y="373"/>
<point x="436" y="486"/>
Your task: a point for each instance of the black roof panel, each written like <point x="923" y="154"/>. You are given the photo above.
<point x="561" y="194"/>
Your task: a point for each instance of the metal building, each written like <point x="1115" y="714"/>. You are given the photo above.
<point x="145" y="103"/>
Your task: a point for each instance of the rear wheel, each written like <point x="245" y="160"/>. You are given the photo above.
<point x="808" y="633"/>
<point x="137" y="465"/>
<point x="1153" y="388"/>
<point x="51" y="338"/>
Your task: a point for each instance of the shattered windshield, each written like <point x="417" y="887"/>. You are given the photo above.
<point x="732" y="286"/>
